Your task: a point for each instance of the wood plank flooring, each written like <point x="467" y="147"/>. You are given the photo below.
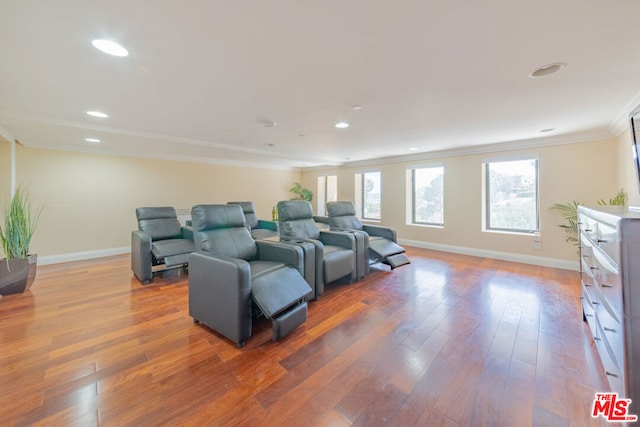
<point x="448" y="340"/>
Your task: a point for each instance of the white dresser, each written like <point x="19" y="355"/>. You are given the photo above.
<point x="610" y="276"/>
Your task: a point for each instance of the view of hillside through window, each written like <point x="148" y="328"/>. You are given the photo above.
<point x="428" y="195"/>
<point x="512" y="199"/>
<point x="371" y="195"/>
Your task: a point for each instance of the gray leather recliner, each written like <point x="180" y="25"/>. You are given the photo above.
<point x="334" y="251"/>
<point x="159" y="240"/>
<point x="231" y="269"/>
<point x="382" y="243"/>
<point x="260" y="229"/>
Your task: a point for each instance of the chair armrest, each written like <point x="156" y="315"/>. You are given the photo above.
<point x="220" y="294"/>
<point x="187" y="232"/>
<point x="281" y="252"/>
<point x="141" y="258"/>
<point x="338" y="238"/>
<point x="322" y="219"/>
<point x="267" y="225"/>
<point x="381" y="231"/>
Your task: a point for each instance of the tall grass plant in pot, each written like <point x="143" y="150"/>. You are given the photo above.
<point x="18" y="269"/>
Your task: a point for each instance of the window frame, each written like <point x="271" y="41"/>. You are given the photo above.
<point x="321" y="208"/>
<point x="487" y="196"/>
<point x="414" y="221"/>
<point x="363" y="193"/>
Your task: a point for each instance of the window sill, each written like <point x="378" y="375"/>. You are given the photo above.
<point x="370" y="221"/>
<point x="412" y="224"/>
<point x="512" y="233"/>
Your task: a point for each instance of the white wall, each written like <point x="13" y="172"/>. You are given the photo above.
<point x="584" y="172"/>
<point x="627" y="174"/>
<point x="5" y="178"/>
<point x="90" y="200"/>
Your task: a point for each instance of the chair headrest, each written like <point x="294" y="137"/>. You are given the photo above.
<point x="156" y="212"/>
<point x="247" y="207"/>
<point x="294" y="209"/>
<point x="211" y="217"/>
<point x="342" y="208"/>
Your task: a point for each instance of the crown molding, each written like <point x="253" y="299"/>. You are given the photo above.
<point x="471" y="150"/>
<point x="620" y="122"/>
<point x="188" y="159"/>
<point x="6" y="135"/>
<point x="156" y="136"/>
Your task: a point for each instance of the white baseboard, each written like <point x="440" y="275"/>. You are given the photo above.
<point x="79" y="256"/>
<point x="505" y="256"/>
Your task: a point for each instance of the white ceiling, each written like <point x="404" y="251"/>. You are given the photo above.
<point x="205" y="77"/>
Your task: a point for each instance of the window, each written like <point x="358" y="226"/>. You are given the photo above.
<point x="512" y="195"/>
<point x="427" y="189"/>
<point x="327" y="192"/>
<point x="369" y="195"/>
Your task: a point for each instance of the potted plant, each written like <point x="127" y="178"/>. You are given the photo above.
<point x="301" y="192"/>
<point x="18" y="269"/>
<point x="569" y="212"/>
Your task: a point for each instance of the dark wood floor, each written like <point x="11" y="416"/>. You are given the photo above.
<point x="448" y="340"/>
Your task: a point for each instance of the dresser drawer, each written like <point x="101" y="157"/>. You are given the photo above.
<point x="611" y="332"/>
<point x="612" y="369"/>
<point x="588" y="309"/>
<point x="588" y="226"/>
<point x="607" y="240"/>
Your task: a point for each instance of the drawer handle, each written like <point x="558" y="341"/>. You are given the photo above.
<point x="605" y="285"/>
<point x="595" y="302"/>
<point x="597" y="338"/>
<point x="588" y="315"/>
<point x="588" y="230"/>
<point x="602" y="241"/>
<point x="611" y="374"/>
<point x="594" y="268"/>
<point x="609" y="329"/>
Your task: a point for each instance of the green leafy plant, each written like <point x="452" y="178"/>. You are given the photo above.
<point x="620" y="199"/>
<point x="302" y="193"/>
<point x="20" y="222"/>
<point x="569" y="212"/>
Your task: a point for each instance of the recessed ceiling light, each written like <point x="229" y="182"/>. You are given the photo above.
<point x="98" y="114"/>
<point x="342" y="125"/>
<point x="357" y="107"/>
<point x="548" y="130"/>
<point x="92" y="140"/>
<point x="547" y="70"/>
<point x="110" y="47"/>
<point x="413" y="149"/>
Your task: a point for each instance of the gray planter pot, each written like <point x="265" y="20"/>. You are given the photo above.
<point x="17" y="275"/>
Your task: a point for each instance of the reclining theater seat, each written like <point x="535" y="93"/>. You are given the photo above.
<point x="382" y="240"/>
<point x="159" y="240"/>
<point x="334" y="251"/>
<point x="260" y="229"/>
<point x="230" y="269"/>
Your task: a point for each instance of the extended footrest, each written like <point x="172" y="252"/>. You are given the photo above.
<point x="289" y="320"/>
<point x="397" y="260"/>
<point x="282" y="300"/>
